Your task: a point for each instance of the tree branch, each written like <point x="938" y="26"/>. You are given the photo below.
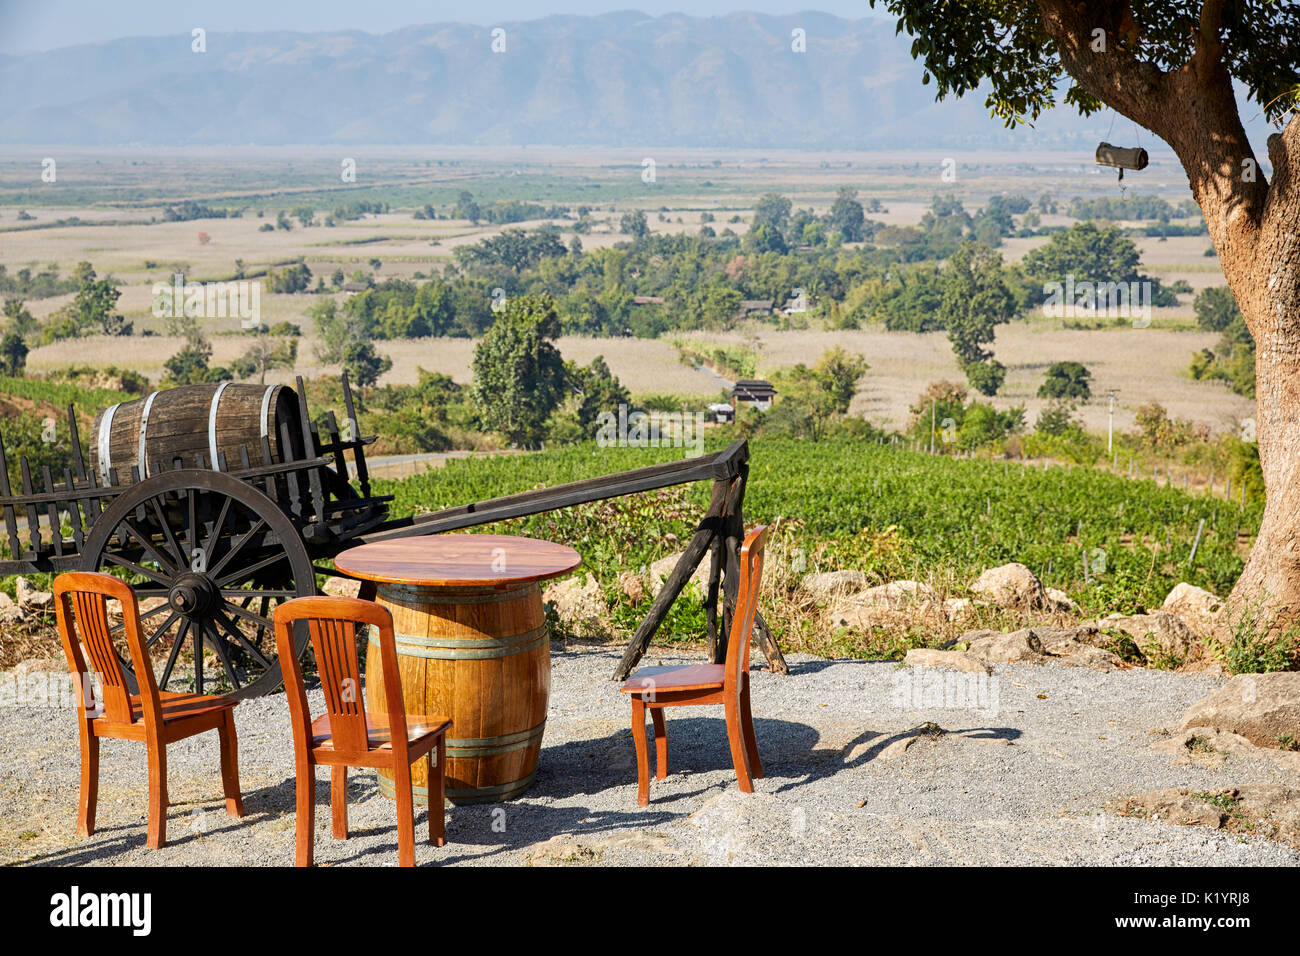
<point x="1192" y="108"/>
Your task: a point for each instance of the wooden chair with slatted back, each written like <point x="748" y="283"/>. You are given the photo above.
<point x="155" y="717"/>
<point x="655" y="688"/>
<point x="346" y="735"/>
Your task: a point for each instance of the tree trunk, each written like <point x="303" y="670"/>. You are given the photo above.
<point x="1267" y="287"/>
<point x="1253" y="225"/>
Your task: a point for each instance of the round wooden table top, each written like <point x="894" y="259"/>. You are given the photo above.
<point x="458" y="560"/>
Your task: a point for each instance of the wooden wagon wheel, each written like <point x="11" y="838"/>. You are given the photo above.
<point x="221" y="555"/>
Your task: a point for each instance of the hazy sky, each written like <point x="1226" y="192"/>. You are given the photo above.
<point x="28" y="25"/>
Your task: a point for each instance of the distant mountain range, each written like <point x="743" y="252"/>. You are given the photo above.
<point x="619" y="79"/>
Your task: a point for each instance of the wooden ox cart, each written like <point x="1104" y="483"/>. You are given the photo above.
<point x="219" y="501"/>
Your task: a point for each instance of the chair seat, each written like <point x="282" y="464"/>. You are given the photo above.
<point x="690" y="677"/>
<point x="176" y="705"/>
<point x="380" y="735"/>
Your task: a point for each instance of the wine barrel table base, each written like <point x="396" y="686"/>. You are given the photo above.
<point x="472" y="646"/>
<point x="481" y="656"/>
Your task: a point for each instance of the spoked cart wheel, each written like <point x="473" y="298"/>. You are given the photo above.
<point x="216" y="556"/>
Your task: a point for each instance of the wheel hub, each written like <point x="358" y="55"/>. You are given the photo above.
<point x="192" y="594"/>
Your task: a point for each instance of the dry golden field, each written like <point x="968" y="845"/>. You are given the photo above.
<point x="1141" y="364"/>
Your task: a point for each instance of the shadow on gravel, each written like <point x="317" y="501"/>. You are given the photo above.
<point x="817" y="764"/>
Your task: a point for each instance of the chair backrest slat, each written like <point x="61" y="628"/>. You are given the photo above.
<point x="332" y="624"/>
<point x="742" y="621"/>
<point x="81" y="604"/>
<point x="334" y="643"/>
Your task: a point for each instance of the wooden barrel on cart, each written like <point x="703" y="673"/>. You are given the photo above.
<point x="482" y="657"/>
<point x="193" y="421"/>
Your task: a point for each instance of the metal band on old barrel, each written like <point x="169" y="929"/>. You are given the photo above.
<point x="212" y="425"/>
<point x="470" y="648"/>
<point x="428" y="596"/>
<point x="492" y="746"/>
<point x="106" y="442"/>
<point x="141" y="455"/>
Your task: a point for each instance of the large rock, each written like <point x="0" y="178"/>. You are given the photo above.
<point x="29" y="597"/>
<point x="1196" y="607"/>
<point x="954" y="660"/>
<point x="1097" y="658"/>
<point x="632" y="587"/>
<point x="1059" y="601"/>
<point x="1011" y="585"/>
<point x="898" y="594"/>
<point x="898" y="603"/>
<point x="863" y="617"/>
<point x="342" y="587"/>
<point x="1263" y="708"/>
<point x="577" y="600"/>
<point x="1158" y="632"/>
<point x="1065" y="641"/>
<point x="661" y="569"/>
<point x="824" y="584"/>
<point x="994" y="646"/>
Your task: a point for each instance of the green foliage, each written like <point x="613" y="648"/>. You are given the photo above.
<point x="267" y="352"/>
<point x="13" y="355"/>
<point x="19" y="318"/>
<point x="1216" y="308"/>
<point x="975" y="300"/>
<point x="1007" y="47"/>
<point x="189" y="366"/>
<point x="363" y="364"/>
<point x="518" y="373"/>
<point x="634" y="224"/>
<point x="290" y="279"/>
<point x="888" y="512"/>
<point x="1255" y="644"/>
<point x="809" y="399"/>
<point x="1132" y="207"/>
<point x="1066" y="380"/>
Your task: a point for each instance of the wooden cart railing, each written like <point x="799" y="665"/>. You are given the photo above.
<point x="718" y="534"/>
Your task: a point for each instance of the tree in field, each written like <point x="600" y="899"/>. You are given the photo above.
<point x="19" y="318"/>
<point x="267" y="352"/>
<point x="975" y="301"/>
<point x="363" y="364"/>
<point x="634" y="224"/>
<point x="1215" y="308"/>
<point x="774" y="210"/>
<point x="810" y="398"/>
<point x="94" y="305"/>
<point x="518" y="372"/>
<point x="1169" y="66"/>
<point x="1066" y="380"/>
<point x="846" y="216"/>
<point x="13" y="355"/>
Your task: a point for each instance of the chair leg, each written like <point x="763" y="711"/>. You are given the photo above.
<point x="306" y="829"/>
<point x="405" y="815"/>
<point x="437" y="795"/>
<point x="661" y="743"/>
<point x="736" y="739"/>
<point x="642" y="753"/>
<point x="751" y="742"/>
<point x="339" y="800"/>
<point x="230" y="766"/>
<point x="89" y="782"/>
<point x="157" y="757"/>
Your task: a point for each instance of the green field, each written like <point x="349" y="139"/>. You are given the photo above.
<point x="893" y="514"/>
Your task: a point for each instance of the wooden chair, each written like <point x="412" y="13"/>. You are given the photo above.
<point x="153" y="716"/>
<point x="654" y="688"/>
<point x="345" y="735"/>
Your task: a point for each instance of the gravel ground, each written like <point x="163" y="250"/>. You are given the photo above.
<point x="853" y="777"/>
